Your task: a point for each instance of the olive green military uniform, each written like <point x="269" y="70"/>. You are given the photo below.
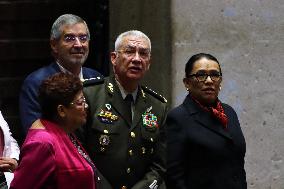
<point x="129" y="155"/>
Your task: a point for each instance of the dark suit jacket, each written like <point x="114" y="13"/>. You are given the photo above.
<point x="131" y="155"/>
<point x="28" y="102"/>
<point x="200" y="153"/>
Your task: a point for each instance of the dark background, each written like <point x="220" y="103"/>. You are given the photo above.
<point x="24" y="44"/>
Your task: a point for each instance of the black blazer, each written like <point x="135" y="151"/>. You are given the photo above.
<point x="201" y="154"/>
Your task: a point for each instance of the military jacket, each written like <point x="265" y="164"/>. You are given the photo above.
<point x="129" y="155"/>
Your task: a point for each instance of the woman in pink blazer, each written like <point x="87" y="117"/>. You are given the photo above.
<point x="51" y="156"/>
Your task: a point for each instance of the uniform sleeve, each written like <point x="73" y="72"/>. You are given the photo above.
<point x="36" y="168"/>
<point x="28" y="104"/>
<point x="155" y="178"/>
<point x="176" y="153"/>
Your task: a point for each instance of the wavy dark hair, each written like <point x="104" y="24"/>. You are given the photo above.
<point x="196" y="57"/>
<point x="60" y="88"/>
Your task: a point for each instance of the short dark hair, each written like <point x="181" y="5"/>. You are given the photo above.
<point x="196" y="57"/>
<point x="60" y="88"/>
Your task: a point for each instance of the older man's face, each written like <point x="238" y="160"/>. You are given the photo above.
<point x="132" y="59"/>
<point x="73" y="45"/>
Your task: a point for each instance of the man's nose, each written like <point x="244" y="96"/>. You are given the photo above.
<point x="77" y="43"/>
<point x="137" y="56"/>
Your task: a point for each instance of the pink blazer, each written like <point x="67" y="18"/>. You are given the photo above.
<point x="49" y="159"/>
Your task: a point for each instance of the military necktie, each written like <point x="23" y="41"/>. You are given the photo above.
<point x="128" y="100"/>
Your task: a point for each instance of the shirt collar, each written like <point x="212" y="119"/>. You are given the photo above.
<point x="124" y="93"/>
<point x="64" y="70"/>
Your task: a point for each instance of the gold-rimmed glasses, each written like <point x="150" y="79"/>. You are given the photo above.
<point x="80" y="102"/>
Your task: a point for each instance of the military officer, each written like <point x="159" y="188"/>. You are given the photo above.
<point x="124" y="134"/>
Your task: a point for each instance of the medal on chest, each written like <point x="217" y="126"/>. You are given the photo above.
<point x="106" y="115"/>
<point x="150" y="120"/>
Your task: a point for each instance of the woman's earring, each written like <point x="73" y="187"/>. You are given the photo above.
<point x="220" y="88"/>
<point x="187" y="89"/>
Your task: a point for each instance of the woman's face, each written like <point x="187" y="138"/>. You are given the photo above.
<point x="75" y="113"/>
<point x="204" y="81"/>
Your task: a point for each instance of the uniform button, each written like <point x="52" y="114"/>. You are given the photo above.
<point x="132" y="134"/>
<point x="152" y="140"/>
<point x="102" y="149"/>
<point x="130" y="152"/>
<point x="128" y="170"/>
<point x="106" y="131"/>
<point x="143" y="150"/>
<point x="152" y="150"/>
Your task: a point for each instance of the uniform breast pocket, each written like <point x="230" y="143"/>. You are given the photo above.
<point x="102" y="138"/>
<point x="149" y="138"/>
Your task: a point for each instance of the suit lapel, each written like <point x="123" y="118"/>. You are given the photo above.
<point x="116" y="99"/>
<point x="208" y="122"/>
<point x="205" y="119"/>
<point x="54" y="67"/>
<point x="140" y="107"/>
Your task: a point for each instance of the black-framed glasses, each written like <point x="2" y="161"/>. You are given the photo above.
<point x="201" y="77"/>
<point x="71" y="38"/>
<point x="80" y="102"/>
<point x="131" y="52"/>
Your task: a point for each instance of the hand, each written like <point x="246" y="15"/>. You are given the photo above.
<point x="8" y="164"/>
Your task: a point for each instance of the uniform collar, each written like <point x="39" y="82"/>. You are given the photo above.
<point x="124" y="93"/>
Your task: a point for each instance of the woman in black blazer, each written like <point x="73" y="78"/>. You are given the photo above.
<point x="206" y="147"/>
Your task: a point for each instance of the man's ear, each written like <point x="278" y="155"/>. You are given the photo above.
<point x="53" y="45"/>
<point x="113" y="57"/>
<point x="148" y="66"/>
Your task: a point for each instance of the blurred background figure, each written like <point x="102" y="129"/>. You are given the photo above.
<point x="51" y="156"/>
<point x="206" y="146"/>
<point x="69" y="42"/>
<point x="9" y="151"/>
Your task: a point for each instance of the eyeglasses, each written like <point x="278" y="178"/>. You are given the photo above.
<point x="201" y="77"/>
<point x="131" y="52"/>
<point x="80" y="102"/>
<point x="71" y="38"/>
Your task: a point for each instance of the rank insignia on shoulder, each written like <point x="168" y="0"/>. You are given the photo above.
<point x="92" y="81"/>
<point x="106" y="116"/>
<point x="153" y="93"/>
<point x="110" y="87"/>
<point x="150" y="121"/>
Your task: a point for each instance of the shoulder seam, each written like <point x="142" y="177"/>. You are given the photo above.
<point x="153" y="93"/>
<point x="92" y="81"/>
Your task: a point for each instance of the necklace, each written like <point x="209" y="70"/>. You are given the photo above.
<point x="80" y="150"/>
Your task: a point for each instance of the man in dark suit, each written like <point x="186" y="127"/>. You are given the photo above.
<point x="69" y="41"/>
<point x="124" y="131"/>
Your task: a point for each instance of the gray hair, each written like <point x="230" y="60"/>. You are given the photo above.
<point x="135" y="33"/>
<point x="65" y="19"/>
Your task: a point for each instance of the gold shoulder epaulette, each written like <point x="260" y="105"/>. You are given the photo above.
<point x="92" y="81"/>
<point x="153" y="93"/>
